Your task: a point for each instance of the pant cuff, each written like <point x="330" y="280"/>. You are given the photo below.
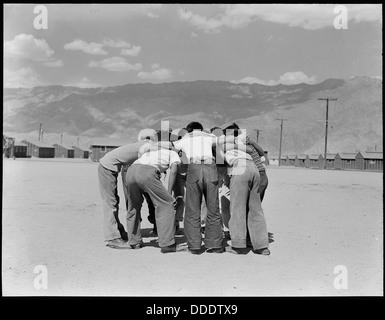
<point x="238" y="243"/>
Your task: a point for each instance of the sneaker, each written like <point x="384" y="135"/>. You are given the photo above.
<point x="263" y="251"/>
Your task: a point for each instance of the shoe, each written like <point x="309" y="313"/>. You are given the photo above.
<point x="236" y="250"/>
<point x="194" y="251"/>
<point x="226" y="235"/>
<point x="263" y="251"/>
<point x="121" y="244"/>
<point x="137" y="246"/>
<point x="215" y="250"/>
<point x="173" y="248"/>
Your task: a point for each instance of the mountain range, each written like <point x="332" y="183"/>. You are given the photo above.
<point x="85" y="114"/>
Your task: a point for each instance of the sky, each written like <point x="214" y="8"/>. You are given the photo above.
<point x="95" y="45"/>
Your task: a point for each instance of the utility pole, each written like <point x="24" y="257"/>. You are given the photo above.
<point x="326" y="127"/>
<point x="280" y="142"/>
<point x="40" y="131"/>
<point x="257" y="131"/>
<point x="78" y="142"/>
<point x="61" y="139"/>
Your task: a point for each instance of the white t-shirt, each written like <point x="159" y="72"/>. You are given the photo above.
<point x="161" y="159"/>
<point x="197" y="145"/>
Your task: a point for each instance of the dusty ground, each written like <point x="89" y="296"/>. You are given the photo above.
<point x="319" y="219"/>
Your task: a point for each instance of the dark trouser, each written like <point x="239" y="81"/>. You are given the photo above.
<point x="263" y="184"/>
<point x="142" y="179"/>
<point x="151" y="209"/>
<point x="246" y="210"/>
<point x="123" y="173"/>
<point x="178" y="190"/>
<point x="202" y="180"/>
<point x="108" y="185"/>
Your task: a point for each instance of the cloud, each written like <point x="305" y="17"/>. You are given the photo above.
<point x="193" y="35"/>
<point x="152" y="15"/>
<point x="208" y="25"/>
<point x="295" y="78"/>
<point x="289" y="78"/>
<point x="115" y="43"/>
<point x="134" y="51"/>
<point x="158" y="73"/>
<point x="306" y="16"/>
<point x="90" y="48"/>
<point x="117" y="64"/>
<point x="86" y="83"/>
<point x="26" y="46"/>
<point x="54" y="64"/>
<point x="251" y="80"/>
<point x="22" y="78"/>
<point x="98" y="48"/>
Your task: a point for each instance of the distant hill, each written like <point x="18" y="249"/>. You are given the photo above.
<point x="120" y="112"/>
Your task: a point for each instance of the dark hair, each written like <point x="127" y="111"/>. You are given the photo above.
<point x="181" y="133"/>
<point x="216" y="131"/>
<point x="215" y="128"/>
<point x="194" y="126"/>
<point x="232" y="128"/>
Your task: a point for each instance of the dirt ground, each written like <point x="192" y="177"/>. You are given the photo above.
<point x="319" y="219"/>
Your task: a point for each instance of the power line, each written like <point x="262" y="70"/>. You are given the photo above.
<point x="280" y="142"/>
<point x="326" y="127"/>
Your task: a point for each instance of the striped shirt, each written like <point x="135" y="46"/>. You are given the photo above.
<point x="254" y="154"/>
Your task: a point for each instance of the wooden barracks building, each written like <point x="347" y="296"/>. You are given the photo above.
<point x="63" y="152"/>
<point x="39" y="149"/>
<point x="101" y="146"/>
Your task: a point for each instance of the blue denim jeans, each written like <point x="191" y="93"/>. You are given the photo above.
<point x="108" y="185"/>
<point x="246" y="209"/>
<point x="142" y="179"/>
<point x="202" y="180"/>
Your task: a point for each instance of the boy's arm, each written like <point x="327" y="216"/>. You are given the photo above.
<point x="249" y="149"/>
<point x="257" y="147"/>
<point x="171" y="179"/>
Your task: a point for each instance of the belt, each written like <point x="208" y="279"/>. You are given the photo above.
<point x="201" y="161"/>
